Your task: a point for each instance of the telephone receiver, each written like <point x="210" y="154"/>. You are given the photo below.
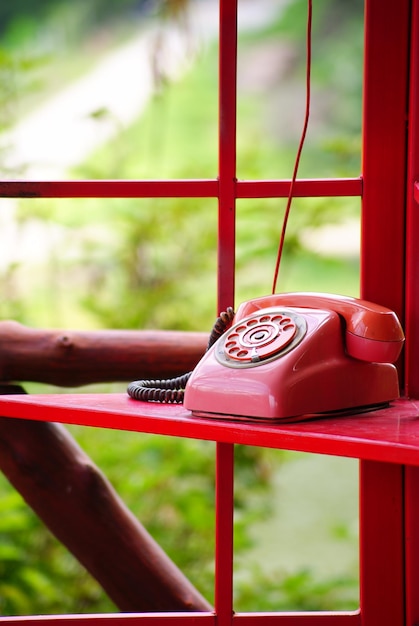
<point x="295" y="354"/>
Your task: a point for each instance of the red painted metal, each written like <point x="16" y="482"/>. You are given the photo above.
<point x="143" y="619"/>
<point x="227" y="153"/>
<point x="224" y="533"/>
<point x="412" y="230"/>
<point x="200" y="188"/>
<point x="381" y="543"/>
<point x="384" y="152"/>
<point x="320" y="618"/>
<point x="390" y="435"/>
<point x="303" y="188"/>
<point x="110" y="189"/>
<point x="412" y="309"/>
<point x="412" y="544"/>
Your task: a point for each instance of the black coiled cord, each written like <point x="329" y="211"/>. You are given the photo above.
<point x="172" y="390"/>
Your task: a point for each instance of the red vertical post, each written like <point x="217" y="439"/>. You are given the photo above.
<point x="227" y="152"/>
<point x="384" y="152"/>
<point x="381" y="544"/>
<point x="224" y="533"/>
<point x="412" y="321"/>
<point x="412" y="544"/>
<point x="412" y="230"/>
<point x="386" y="71"/>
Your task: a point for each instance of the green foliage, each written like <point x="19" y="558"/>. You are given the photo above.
<point x="299" y="591"/>
<point x="24" y="15"/>
<point x="17" y="77"/>
<point x="36" y="572"/>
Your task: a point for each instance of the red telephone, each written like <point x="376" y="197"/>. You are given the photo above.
<point x="294" y="354"/>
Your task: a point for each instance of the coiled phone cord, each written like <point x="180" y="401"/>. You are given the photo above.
<point x="172" y="390"/>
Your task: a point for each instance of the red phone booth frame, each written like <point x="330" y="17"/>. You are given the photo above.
<point x="387" y="443"/>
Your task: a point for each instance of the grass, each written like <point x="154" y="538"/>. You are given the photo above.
<point x="308" y="539"/>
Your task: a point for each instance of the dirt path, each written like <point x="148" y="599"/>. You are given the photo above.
<point x="63" y="132"/>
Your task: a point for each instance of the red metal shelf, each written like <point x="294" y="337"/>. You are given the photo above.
<point x="389" y="435"/>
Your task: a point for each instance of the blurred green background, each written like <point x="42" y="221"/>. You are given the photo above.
<point x="110" y="263"/>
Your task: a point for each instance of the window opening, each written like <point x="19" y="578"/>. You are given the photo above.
<point x="68" y="262"/>
<point x="89" y="81"/>
<point x="271" y="86"/>
<point x="303" y="549"/>
<point x="315" y="257"/>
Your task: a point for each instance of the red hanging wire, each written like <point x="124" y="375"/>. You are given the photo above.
<point x="300" y="146"/>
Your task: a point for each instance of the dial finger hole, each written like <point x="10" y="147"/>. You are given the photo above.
<point x="252" y="322"/>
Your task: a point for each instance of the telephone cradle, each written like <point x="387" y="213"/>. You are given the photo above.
<point x="297" y="354"/>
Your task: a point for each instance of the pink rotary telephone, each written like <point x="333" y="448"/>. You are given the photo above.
<point x="295" y="354"/>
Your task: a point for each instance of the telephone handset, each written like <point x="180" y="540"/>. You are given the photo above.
<point x="293" y="354"/>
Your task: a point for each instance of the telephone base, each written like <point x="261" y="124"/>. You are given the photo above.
<point x="315" y="375"/>
<point x="360" y="410"/>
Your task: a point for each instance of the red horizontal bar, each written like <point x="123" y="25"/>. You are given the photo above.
<point x="317" y="618"/>
<point x="325" y="187"/>
<point x="194" y="619"/>
<point x="205" y="188"/>
<point x="389" y="435"/>
<point x="110" y="189"/>
<point x="112" y="619"/>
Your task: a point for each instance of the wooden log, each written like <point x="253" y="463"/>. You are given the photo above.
<point x="73" y="358"/>
<point x="80" y="507"/>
